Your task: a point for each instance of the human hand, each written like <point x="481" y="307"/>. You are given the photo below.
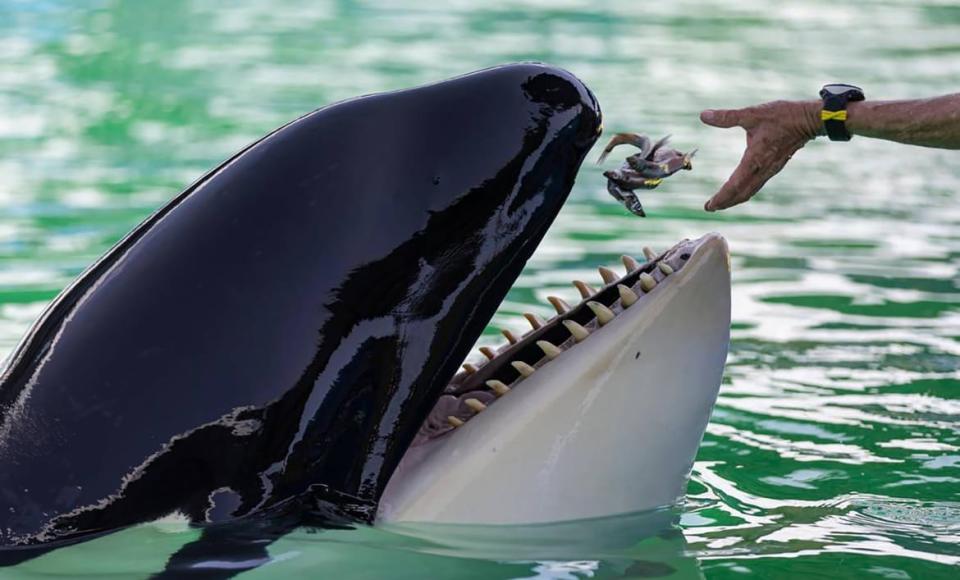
<point x="775" y="131"/>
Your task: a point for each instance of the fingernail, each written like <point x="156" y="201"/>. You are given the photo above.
<point x="707" y="206"/>
<point x="708" y="115"/>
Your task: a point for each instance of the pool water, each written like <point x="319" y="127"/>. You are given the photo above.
<point x="834" y="450"/>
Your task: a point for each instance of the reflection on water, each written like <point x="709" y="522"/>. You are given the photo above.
<point x="642" y="545"/>
<point x="836" y="441"/>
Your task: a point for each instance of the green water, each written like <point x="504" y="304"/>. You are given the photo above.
<point x="834" y="450"/>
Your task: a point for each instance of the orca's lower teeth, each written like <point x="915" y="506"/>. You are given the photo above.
<point x="577" y="331"/>
<point x="603" y="314"/>
<point x="627" y="296"/>
<point x="498" y="387"/>
<point x="475" y="404"/>
<point x="523" y="368"/>
<point x="647" y="282"/>
<point x="550" y="350"/>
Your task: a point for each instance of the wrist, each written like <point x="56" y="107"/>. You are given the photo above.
<point x="812" y="123"/>
<point x="855" y="112"/>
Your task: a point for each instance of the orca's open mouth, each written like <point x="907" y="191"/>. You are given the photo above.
<point x="597" y="411"/>
<point x="482" y="382"/>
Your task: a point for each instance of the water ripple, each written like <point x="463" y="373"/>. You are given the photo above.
<point x="835" y="442"/>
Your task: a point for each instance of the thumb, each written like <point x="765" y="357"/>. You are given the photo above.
<point x="723" y="118"/>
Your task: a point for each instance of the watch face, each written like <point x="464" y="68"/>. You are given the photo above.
<point x="839" y="89"/>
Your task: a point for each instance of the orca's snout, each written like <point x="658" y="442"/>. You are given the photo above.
<point x="562" y="91"/>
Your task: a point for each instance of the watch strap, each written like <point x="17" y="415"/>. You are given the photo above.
<point x="835" y="120"/>
<point x="834" y="112"/>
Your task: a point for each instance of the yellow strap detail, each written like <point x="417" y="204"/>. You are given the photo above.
<point x="833" y="115"/>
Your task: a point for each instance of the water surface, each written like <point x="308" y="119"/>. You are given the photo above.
<point x="834" y="450"/>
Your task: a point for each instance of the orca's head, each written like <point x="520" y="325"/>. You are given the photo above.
<point x="288" y="322"/>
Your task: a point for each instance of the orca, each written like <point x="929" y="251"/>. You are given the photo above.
<point x="280" y="344"/>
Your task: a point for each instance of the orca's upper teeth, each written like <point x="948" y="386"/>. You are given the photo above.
<point x="603" y="314"/>
<point x="627" y="296"/>
<point x="523" y="368"/>
<point x="558" y="304"/>
<point x="630" y="263"/>
<point x="649" y="253"/>
<point x="488" y="352"/>
<point x="666" y="268"/>
<point x="470" y="368"/>
<point x="578" y="332"/>
<point x="549" y="349"/>
<point x="586" y="291"/>
<point x="608" y="275"/>
<point x="533" y="319"/>
<point x="454" y="422"/>
<point x="511" y="338"/>
<point x="498" y="387"/>
<point x="647" y="282"/>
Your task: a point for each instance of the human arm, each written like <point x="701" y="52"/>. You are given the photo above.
<point x="928" y="122"/>
<point x="777" y="130"/>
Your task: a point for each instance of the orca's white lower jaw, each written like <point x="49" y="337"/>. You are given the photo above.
<point x="597" y="412"/>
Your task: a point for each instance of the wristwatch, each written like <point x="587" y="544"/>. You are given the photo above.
<point x="834" y="113"/>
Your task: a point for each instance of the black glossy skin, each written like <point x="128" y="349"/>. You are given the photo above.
<point x="290" y="319"/>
